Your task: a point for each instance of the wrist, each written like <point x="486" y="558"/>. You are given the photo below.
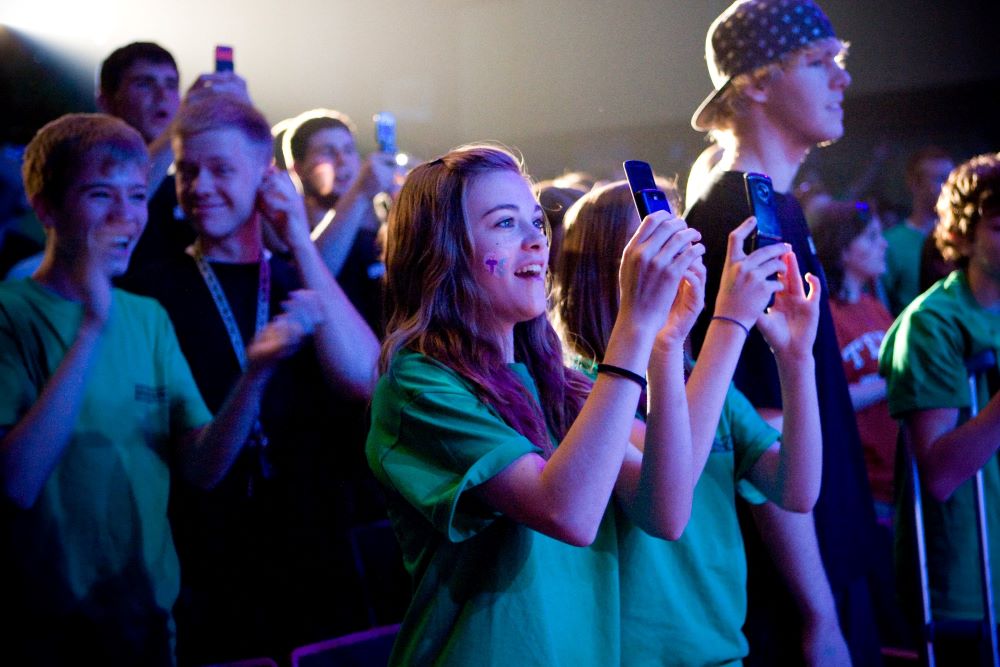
<point x="788" y="361"/>
<point x="721" y="320"/>
<point x="629" y="345"/>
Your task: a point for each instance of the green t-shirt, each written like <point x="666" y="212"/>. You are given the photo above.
<point x="97" y="542"/>
<point x="487" y="590"/>
<point x="684" y="602"/>
<point x="902" y="265"/>
<point x="922" y="359"/>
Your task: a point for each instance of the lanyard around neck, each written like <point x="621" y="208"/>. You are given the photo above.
<point x="222" y="303"/>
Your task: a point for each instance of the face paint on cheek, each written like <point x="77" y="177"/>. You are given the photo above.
<point x="497" y="266"/>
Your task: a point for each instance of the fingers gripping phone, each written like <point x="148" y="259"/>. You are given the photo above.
<point x="223" y="58"/>
<point x="385" y="132"/>
<point x="760" y="200"/>
<point x="648" y="198"/>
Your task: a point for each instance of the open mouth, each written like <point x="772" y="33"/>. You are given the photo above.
<point x="530" y="271"/>
<point x="121" y="243"/>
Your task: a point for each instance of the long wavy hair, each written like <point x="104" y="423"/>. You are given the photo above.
<point x="436" y="307"/>
<point x="585" y="285"/>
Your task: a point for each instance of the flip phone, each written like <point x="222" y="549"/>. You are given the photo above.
<point x="648" y="198"/>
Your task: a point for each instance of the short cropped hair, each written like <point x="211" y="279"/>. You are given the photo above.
<point x="54" y="157"/>
<point x="114" y="66"/>
<point x="313" y="122"/>
<point x="926" y="154"/>
<point x="221" y="112"/>
<point x="971" y="187"/>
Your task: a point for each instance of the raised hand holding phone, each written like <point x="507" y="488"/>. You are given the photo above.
<point x="789" y="326"/>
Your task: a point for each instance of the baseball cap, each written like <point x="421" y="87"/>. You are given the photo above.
<point x="753" y="33"/>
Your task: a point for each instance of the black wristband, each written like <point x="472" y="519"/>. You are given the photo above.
<point x="623" y="373"/>
<point x="734" y="321"/>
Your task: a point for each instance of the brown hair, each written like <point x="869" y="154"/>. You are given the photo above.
<point x="585" y="285"/>
<point x="54" y="157"/>
<point x="436" y="307"/>
<point x="220" y="112"/>
<point x="959" y="207"/>
<point x="114" y="66"/>
<point x="834" y="226"/>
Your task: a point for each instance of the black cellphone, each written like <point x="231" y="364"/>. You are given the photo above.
<point x="760" y="200"/>
<point x="648" y="198"/>
<point x="223" y="58"/>
<point x="385" y="132"/>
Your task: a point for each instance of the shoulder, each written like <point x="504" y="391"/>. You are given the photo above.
<point x="412" y="373"/>
<point x="946" y="303"/>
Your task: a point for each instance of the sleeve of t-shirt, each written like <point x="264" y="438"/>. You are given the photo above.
<point x="187" y="408"/>
<point x="752" y="436"/>
<point x="927" y="369"/>
<point x="17" y="391"/>
<point x="450" y="442"/>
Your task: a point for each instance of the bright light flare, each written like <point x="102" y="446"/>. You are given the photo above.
<point x="84" y="23"/>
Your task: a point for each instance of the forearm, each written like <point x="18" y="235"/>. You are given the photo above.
<point x="346" y="345"/>
<point x="207" y="455"/>
<point x="335" y="238"/>
<point x="30" y="451"/>
<point x="800" y="459"/>
<point x="661" y="504"/>
<point x="790" y="540"/>
<point x="567" y="495"/>
<point x="709" y="383"/>
<point x="949" y="454"/>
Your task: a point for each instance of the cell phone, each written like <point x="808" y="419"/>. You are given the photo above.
<point x="223" y="58"/>
<point x="648" y="198"/>
<point x="760" y="200"/>
<point x="385" y="132"/>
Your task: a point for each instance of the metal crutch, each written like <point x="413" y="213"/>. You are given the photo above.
<point x="976" y="365"/>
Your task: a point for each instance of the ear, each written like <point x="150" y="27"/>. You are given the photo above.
<point x="44" y="210"/>
<point x="758" y="91"/>
<point x="103" y="103"/>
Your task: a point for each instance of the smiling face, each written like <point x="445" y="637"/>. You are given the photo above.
<point x="510" y="249"/>
<point x="218" y="175"/>
<point x="147" y="99"/>
<point x="102" y="214"/>
<point x="805" y="101"/>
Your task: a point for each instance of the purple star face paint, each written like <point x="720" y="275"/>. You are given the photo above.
<point x="497" y="266"/>
<point x="508" y="241"/>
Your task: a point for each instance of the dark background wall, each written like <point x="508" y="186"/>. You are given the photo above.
<point x="571" y="83"/>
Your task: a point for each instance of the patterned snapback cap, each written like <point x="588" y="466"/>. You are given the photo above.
<point x="752" y="33"/>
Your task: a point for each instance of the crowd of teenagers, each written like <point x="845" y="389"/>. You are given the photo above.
<point x="258" y="391"/>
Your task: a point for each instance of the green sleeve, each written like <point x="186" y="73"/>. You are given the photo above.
<point x="17" y="392"/>
<point x="924" y="365"/>
<point x="448" y="441"/>
<point x="752" y="436"/>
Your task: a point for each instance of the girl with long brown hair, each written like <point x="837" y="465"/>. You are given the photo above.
<point x="499" y="463"/>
